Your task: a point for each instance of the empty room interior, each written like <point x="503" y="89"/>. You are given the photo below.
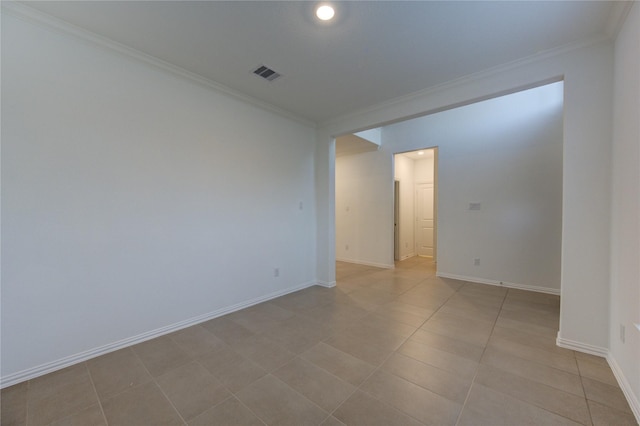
<point x="320" y="213"/>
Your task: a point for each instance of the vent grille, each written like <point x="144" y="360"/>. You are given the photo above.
<point x="266" y="73"/>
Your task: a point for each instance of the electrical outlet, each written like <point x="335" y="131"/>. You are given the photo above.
<point x="622" y="333"/>
<point x="276" y="272"/>
<point x="346" y="247"/>
<point x="406" y="245"/>
<point x="476" y="261"/>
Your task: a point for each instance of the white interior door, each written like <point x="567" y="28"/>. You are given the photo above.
<point x="424" y="219"/>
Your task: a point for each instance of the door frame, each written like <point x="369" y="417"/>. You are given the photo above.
<point x="435" y="204"/>
<point x="396" y="248"/>
<point x="396" y="220"/>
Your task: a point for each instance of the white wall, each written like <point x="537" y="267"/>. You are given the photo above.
<point x="364" y="221"/>
<point x="587" y="70"/>
<point x="134" y="199"/>
<point x="625" y="194"/>
<point x="424" y="169"/>
<point x="363" y="215"/>
<point x="404" y="170"/>
<point x="505" y="153"/>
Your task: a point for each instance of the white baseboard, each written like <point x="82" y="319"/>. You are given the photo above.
<point x="407" y="256"/>
<point x="632" y="398"/>
<point x="327" y="284"/>
<point x="527" y="287"/>
<point x="581" y="347"/>
<point x="365" y="263"/>
<point x="59" y="364"/>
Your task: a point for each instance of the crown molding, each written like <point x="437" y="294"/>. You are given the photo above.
<point x="480" y="75"/>
<point x="41" y="19"/>
<point x="618" y="15"/>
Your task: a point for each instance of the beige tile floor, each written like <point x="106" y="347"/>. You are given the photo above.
<point x="385" y="347"/>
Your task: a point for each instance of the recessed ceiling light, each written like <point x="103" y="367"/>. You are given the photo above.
<point x="325" y="12"/>
<point x="420" y="152"/>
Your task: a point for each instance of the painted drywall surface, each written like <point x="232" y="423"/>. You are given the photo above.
<point x="424" y="168"/>
<point x="505" y="153"/>
<point x="625" y="193"/>
<point x="586" y="201"/>
<point x="362" y="220"/>
<point x="404" y="170"/>
<point x="325" y="198"/>
<point x="133" y="199"/>
<point x="588" y="75"/>
<point x="372" y="135"/>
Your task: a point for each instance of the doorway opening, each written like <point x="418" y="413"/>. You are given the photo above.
<point x="415" y="204"/>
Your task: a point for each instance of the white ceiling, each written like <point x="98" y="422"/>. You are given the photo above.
<point x="373" y="52"/>
<point x="415" y="155"/>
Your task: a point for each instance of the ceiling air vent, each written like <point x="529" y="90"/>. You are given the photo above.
<point x="266" y="73"/>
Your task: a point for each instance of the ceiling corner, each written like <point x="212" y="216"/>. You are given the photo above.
<point x="619" y="12"/>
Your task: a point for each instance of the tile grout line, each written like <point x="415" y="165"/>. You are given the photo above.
<point x="357" y="388"/>
<point x="26" y="404"/>
<point x="235" y="397"/>
<point x="333" y="375"/>
<point x="287" y="385"/>
<point x="464" y="404"/>
<point x="542" y="363"/>
<point x="153" y="380"/>
<point x="304" y="396"/>
<point x="378" y="368"/>
<point x="93" y="384"/>
<point x="409" y="337"/>
<point x="586" y="400"/>
<point x="521" y="400"/>
<point x="234" y="394"/>
<point x="169" y="400"/>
